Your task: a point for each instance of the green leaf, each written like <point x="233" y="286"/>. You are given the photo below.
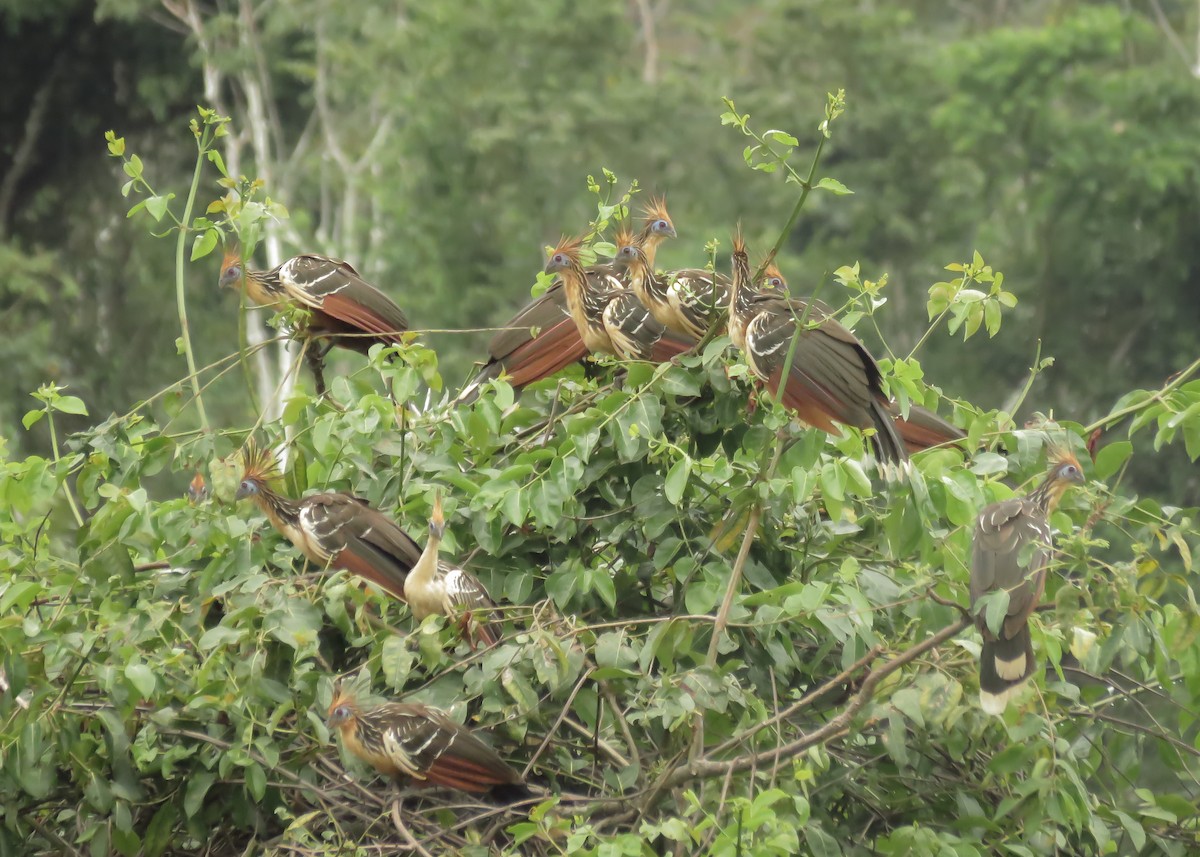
<point x="1111" y="457"/>
<point x="142" y="678"/>
<point x="833" y="186"/>
<point x="204" y="243"/>
<point x="677" y="479"/>
<point x="31" y="418"/>
<point x="157" y="205"/>
<point x="70" y="405"/>
<point x="199" y="784"/>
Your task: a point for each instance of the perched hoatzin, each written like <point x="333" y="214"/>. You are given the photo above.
<point x="611" y="319"/>
<point x="1012" y="548"/>
<point x="333" y="529"/>
<point x="197" y="490"/>
<point x="542" y="339"/>
<point x="686" y="302"/>
<point x="344" y="309"/>
<point x="436" y="586"/>
<point x="833" y="378"/>
<point x="422" y="744"/>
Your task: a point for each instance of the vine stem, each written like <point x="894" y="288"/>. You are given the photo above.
<point x="806" y="187"/>
<point x="936" y="322"/>
<point x="57" y="457"/>
<point x="180" y="292"/>
<point x="1140" y="406"/>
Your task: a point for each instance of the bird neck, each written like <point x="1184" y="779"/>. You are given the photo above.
<point x="575" y="282"/>
<point x="262" y="288"/>
<point x="643" y="282"/>
<point x="740" y="291"/>
<point x="649" y="242"/>
<point x="424" y="572"/>
<point x="1047" y="495"/>
<point x="280" y="511"/>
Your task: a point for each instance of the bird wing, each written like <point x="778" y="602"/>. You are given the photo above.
<point x="426" y="744"/>
<point x="1001" y="534"/>
<point x="464" y="591"/>
<point x="634" y="331"/>
<point x="333" y="287"/>
<point x="353" y="536"/>
<point x="696" y="298"/>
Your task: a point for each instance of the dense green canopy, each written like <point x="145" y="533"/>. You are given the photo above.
<point x="726" y="633"/>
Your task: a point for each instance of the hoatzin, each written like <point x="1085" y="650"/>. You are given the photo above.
<point x="686" y="302"/>
<point x="610" y="318"/>
<point x="333" y="529"/>
<point x="197" y="490"/>
<point x="344" y="309"/>
<point x="422" y="744"/>
<point x="833" y="378"/>
<point x="1011" y="550"/>
<point x="436" y="586"/>
<point x="541" y="339"/>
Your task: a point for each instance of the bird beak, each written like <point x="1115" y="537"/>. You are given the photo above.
<point x="244" y="490"/>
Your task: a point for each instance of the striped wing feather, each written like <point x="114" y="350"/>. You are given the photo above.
<point x="360" y="539"/>
<point x="1001" y="534"/>
<point x="696" y="299"/>
<point x="833" y="378"/>
<point x="333" y="287"/>
<point x="426" y="744"/>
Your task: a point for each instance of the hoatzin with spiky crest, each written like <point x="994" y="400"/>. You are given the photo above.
<point x="422" y="744"/>
<point x="344" y="309"/>
<point x="1012" y="548"/>
<point x="434" y="586"/>
<point x="332" y="529"/>
<point x="686" y="302"/>
<point x="197" y="490"/>
<point x="611" y="319"/>
<point x="832" y="379"/>
<point x="541" y="339"/>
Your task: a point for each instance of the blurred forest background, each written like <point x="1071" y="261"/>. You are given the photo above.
<point x="440" y="145"/>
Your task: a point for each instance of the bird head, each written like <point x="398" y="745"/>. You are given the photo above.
<point x="658" y="222"/>
<point x="628" y="248"/>
<point x="343" y="709"/>
<point x="437" y="521"/>
<point x="773" y="278"/>
<point x="197" y="490"/>
<point x="258" y="471"/>
<point x="1065" y="469"/>
<point x="1064" y="472"/>
<point x="232" y="268"/>
<point x="564" y="256"/>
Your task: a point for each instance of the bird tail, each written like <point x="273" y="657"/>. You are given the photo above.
<point x="487" y="372"/>
<point x="670" y="346"/>
<point x="486" y="631"/>
<point x="886" y="440"/>
<point x="923" y="428"/>
<point x="508" y="793"/>
<point x="554" y="348"/>
<point x="1004" y="664"/>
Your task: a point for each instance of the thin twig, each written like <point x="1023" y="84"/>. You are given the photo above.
<point x="404" y="831"/>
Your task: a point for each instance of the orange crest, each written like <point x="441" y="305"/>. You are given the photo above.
<point x="569" y="246"/>
<point x="625" y="238"/>
<point x="436" y="516"/>
<point x="739" y="241"/>
<point x="656" y="209"/>
<point x="258" y="464"/>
